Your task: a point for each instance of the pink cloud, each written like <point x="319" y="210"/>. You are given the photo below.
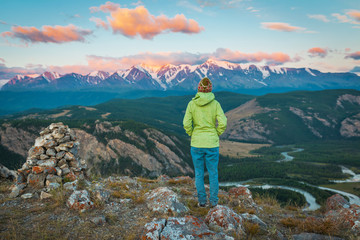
<point x="355" y="55"/>
<point x="2" y="60"/>
<point x="319" y="17"/>
<point x="280" y="26"/>
<point x="237" y="56"/>
<point x="107" y="7"/>
<point x="176" y="58"/>
<point x="56" y="34"/>
<point x="99" y="22"/>
<point x="354" y="14"/>
<point x="318" y="52"/>
<point x="139" y="22"/>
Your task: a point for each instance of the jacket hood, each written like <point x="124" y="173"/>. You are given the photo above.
<point x="201" y="98"/>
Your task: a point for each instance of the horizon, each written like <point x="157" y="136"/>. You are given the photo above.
<point x="110" y="35"/>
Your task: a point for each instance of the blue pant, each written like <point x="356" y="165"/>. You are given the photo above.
<point x="210" y="157"/>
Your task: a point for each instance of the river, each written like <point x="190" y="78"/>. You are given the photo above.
<point x="310" y="199"/>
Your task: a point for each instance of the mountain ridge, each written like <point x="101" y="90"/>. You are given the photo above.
<point x="225" y="76"/>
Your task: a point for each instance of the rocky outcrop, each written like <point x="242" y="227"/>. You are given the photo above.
<point x="241" y="127"/>
<point x="16" y="139"/>
<point x="350" y="127"/>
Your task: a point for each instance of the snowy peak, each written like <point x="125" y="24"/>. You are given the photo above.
<point x="100" y="74"/>
<point x="50" y="76"/>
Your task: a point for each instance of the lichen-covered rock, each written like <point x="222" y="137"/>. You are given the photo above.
<point x="80" y="200"/>
<point x="336" y="202"/>
<point x="345" y="217"/>
<point x="189" y="227"/>
<point x="241" y="196"/>
<point x="356" y="228"/>
<point x="222" y="218"/>
<point x="36" y="180"/>
<point x="164" y="200"/>
<point x="152" y="230"/>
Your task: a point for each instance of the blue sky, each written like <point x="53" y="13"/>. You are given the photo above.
<point x="83" y="36"/>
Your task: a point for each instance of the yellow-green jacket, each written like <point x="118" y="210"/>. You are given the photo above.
<point x="200" y="120"/>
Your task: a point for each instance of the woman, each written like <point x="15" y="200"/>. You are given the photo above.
<point x="199" y="122"/>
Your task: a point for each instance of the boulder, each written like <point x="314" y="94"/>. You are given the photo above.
<point x="241" y="196"/>
<point x="6" y="173"/>
<point x="336" y="202"/>
<point x="80" y="200"/>
<point x="222" y="218"/>
<point x="164" y="200"/>
<point x="189" y="227"/>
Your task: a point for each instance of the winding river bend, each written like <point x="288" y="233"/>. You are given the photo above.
<point x="310" y="199"/>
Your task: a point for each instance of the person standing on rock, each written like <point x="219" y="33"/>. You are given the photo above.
<point x="199" y="122"/>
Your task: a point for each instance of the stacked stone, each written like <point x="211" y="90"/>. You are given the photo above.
<point x="52" y="160"/>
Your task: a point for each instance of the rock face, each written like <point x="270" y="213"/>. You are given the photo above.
<point x="52" y="160"/>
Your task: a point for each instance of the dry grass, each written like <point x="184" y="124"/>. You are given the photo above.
<point x="118" y="185"/>
<point x="269" y="204"/>
<point x="241" y="210"/>
<point x="195" y="210"/>
<point x="313" y="225"/>
<point x="251" y="229"/>
<point x="146" y="180"/>
<point x="290" y="222"/>
<point x="185" y="192"/>
<point x="180" y="181"/>
<point x="121" y="194"/>
<point x="321" y="226"/>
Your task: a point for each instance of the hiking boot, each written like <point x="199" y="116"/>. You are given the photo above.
<point x="202" y="205"/>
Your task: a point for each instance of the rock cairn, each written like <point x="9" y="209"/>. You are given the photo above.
<point x="51" y="161"/>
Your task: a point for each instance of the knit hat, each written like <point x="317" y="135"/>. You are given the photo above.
<point x="205" y="85"/>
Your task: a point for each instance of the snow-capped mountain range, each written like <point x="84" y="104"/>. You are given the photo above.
<point x="224" y="75"/>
